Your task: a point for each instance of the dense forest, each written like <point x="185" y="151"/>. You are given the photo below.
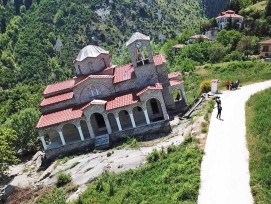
<point x="39" y="39"/>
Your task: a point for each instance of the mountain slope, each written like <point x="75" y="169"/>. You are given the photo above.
<point x="75" y="24"/>
<point x="213" y="7"/>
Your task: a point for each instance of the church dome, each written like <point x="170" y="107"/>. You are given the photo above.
<point x="90" y="51"/>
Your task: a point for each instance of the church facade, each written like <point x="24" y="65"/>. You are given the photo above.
<point x="105" y="102"/>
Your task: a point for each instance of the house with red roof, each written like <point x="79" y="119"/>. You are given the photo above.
<point x="104" y="102"/>
<point x="228" y="16"/>
<point x="265" y="48"/>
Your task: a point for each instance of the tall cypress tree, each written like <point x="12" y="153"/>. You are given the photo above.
<point x="268" y="8"/>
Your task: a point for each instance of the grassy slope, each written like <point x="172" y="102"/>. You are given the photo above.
<point x="258" y="111"/>
<point x="174" y="178"/>
<point x="247" y="72"/>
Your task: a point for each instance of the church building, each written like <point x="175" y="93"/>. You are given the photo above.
<point x="104" y="103"/>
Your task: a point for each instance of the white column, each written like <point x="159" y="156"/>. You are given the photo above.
<point x="43" y="142"/>
<point x="108" y="127"/>
<point x="92" y="135"/>
<point x="118" y="123"/>
<point x="132" y="119"/>
<point x="164" y="110"/>
<point x="80" y="132"/>
<point x="183" y="94"/>
<point x="146" y="116"/>
<point x="61" y="137"/>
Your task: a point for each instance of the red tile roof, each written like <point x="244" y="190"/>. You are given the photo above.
<point x="198" y="37"/>
<point x="64" y="85"/>
<point x="59" y="117"/>
<point x="123" y="73"/>
<point x="178" y="46"/>
<point x="266" y="42"/>
<point x="94" y="77"/>
<point x="159" y="59"/>
<point x="229" y="14"/>
<point x="120" y="101"/>
<point x="174" y="75"/>
<point x="158" y="86"/>
<point x="77" y="112"/>
<point x="175" y="82"/>
<point x="108" y="70"/>
<point x="56" y="99"/>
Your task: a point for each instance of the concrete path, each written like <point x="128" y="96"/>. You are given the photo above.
<point x="224" y="169"/>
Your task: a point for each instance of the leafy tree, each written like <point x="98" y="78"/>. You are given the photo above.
<point x="248" y="45"/>
<point x="229" y="39"/>
<point x="216" y="52"/>
<point x="24" y="124"/>
<point x="7" y="150"/>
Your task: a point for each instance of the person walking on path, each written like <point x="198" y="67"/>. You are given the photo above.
<point x="217" y="100"/>
<point x="219" y="109"/>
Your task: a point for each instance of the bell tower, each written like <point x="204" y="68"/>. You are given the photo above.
<point x="140" y="49"/>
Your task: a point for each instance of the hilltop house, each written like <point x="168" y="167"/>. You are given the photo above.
<point x="226" y="17"/>
<point x="265" y="48"/>
<point x="104" y="102"/>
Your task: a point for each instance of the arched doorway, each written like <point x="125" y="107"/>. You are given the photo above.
<point x="113" y="122"/>
<point x="52" y="138"/>
<point x="70" y="133"/>
<point x="125" y="120"/>
<point x="139" y="116"/>
<point x="84" y="128"/>
<point x="98" y="124"/>
<point x="154" y="110"/>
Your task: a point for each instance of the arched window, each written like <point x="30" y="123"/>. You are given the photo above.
<point x="79" y="69"/>
<point x="93" y="91"/>
<point x="90" y="66"/>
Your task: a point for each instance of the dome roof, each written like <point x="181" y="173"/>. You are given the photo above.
<point x="90" y="51"/>
<point x="137" y="36"/>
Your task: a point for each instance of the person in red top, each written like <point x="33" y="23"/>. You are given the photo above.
<point x="228" y="84"/>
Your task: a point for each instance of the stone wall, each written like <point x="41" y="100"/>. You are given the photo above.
<point x="92" y="65"/>
<point x="79" y="146"/>
<point x="145" y="75"/>
<point x="93" y="89"/>
<point x="144" y="132"/>
<point x="163" y="78"/>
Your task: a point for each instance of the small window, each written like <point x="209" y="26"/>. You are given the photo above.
<point x="79" y="69"/>
<point x="139" y="109"/>
<point x="90" y="66"/>
<point x="265" y="49"/>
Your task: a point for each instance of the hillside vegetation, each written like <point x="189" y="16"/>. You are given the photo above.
<point x="258" y="124"/>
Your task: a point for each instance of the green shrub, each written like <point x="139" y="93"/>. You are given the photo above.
<point x="153" y="156"/>
<point x="205" y="86"/>
<point x="171" y="149"/>
<point x="56" y="196"/>
<point x="204" y="130"/>
<point x="63" y="178"/>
